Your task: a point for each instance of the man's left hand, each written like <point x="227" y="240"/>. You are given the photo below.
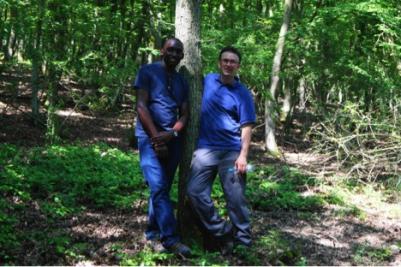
<point x="162" y="137"/>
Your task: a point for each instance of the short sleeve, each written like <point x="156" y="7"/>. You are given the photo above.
<point x="142" y="80"/>
<point x="247" y="112"/>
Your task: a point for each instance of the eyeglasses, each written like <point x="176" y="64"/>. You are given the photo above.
<point x="226" y="61"/>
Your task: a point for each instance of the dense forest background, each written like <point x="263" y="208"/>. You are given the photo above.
<point x="338" y="96"/>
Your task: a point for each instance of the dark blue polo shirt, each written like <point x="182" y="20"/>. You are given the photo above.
<point x="224" y="110"/>
<point x="163" y="103"/>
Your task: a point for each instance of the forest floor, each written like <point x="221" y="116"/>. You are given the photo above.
<point x="324" y="237"/>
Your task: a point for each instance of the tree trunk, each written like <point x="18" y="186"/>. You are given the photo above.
<point x="270" y="138"/>
<point x="36" y="55"/>
<point x="140" y="37"/>
<point x="187" y="29"/>
<point x="15" y="28"/>
<point x="35" y="86"/>
<point x="52" y="124"/>
<point x="3" y="10"/>
<point x="57" y="39"/>
<point x="7" y="55"/>
<point x="154" y="27"/>
<point x="302" y="95"/>
<point x="287" y="102"/>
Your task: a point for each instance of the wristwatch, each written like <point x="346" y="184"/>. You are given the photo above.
<point x="175" y="133"/>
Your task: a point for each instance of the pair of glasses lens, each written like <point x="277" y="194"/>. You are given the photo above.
<point x="229" y="61"/>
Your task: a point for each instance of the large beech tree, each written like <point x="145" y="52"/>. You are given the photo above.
<point x="187" y="29"/>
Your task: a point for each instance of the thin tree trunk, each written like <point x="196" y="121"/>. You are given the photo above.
<point x="187" y="29"/>
<point x="12" y="42"/>
<point x="154" y="23"/>
<point x="140" y="37"/>
<point x="302" y="95"/>
<point x="35" y="86"/>
<point x="122" y="28"/>
<point x="7" y="37"/>
<point x="36" y="54"/>
<point x="57" y="39"/>
<point x="2" y="24"/>
<point x="270" y="138"/>
<point x="52" y="129"/>
<point x="287" y="102"/>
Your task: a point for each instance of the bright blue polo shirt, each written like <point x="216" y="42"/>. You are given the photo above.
<point x="163" y="105"/>
<point x="224" y="110"/>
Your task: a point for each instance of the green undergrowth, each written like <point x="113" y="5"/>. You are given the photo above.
<point x="147" y="258"/>
<point x="272" y="188"/>
<point x="273" y="248"/>
<point x="283" y="188"/>
<point x="364" y="254"/>
<point x="40" y="187"/>
<point x="57" y="181"/>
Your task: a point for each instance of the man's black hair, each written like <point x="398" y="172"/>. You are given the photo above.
<point x="172" y="38"/>
<point x="232" y="50"/>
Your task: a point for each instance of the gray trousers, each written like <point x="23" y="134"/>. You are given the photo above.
<point x="205" y="165"/>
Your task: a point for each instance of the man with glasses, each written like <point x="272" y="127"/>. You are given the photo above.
<point x="162" y="108"/>
<point x="227" y="117"/>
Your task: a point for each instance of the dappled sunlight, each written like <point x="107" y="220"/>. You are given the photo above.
<point x="72" y="192"/>
<point x="373" y="203"/>
<point x="2" y="105"/>
<point x="104" y="226"/>
<point x="72" y="113"/>
<point x="305" y="159"/>
<point x="332" y="231"/>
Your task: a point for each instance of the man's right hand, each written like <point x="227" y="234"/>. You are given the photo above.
<point x="161" y="150"/>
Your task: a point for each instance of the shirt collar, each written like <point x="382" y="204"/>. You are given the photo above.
<point x="163" y="67"/>
<point x="235" y="85"/>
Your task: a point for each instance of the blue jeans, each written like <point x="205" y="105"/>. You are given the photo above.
<point x="159" y="176"/>
<point x="206" y="164"/>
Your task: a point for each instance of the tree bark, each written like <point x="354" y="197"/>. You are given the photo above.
<point x="187" y="29"/>
<point x="52" y="123"/>
<point x="302" y="95"/>
<point x="6" y="37"/>
<point x="270" y="138"/>
<point x="154" y="27"/>
<point x="57" y="39"/>
<point x="36" y="55"/>
<point x="287" y="102"/>
<point x="3" y="10"/>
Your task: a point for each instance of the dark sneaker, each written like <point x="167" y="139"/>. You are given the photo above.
<point x="180" y="250"/>
<point x="226" y="244"/>
<point x="227" y="248"/>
